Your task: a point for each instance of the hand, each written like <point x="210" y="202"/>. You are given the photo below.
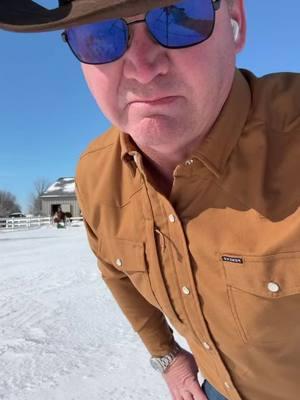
<point x="181" y="378"/>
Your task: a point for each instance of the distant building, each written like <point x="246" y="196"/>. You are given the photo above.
<point x="60" y="194"/>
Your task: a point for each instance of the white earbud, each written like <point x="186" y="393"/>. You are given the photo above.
<point x="235" y="29"/>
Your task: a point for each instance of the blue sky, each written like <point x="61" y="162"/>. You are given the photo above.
<point x="47" y="116"/>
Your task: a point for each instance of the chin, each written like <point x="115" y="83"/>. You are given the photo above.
<point x="155" y="130"/>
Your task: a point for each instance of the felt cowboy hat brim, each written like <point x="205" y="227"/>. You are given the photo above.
<point x="28" y="16"/>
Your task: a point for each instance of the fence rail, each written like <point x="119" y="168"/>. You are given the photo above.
<point x="27" y="223"/>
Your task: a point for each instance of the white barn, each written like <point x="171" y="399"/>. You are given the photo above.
<point x="60" y="194"/>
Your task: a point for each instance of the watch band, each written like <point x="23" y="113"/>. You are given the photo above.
<point x="161" y="364"/>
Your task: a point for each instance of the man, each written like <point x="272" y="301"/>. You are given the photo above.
<point x="190" y="200"/>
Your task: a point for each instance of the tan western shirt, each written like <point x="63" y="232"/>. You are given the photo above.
<point x="221" y="256"/>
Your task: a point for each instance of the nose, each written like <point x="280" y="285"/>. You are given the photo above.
<point x="145" y="59"/>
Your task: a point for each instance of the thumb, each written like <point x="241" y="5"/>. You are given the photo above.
<point x="197" y="392"/>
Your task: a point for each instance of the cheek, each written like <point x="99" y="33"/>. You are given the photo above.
<point x="193" y="69"/>
<point x="103" y="83"/>
<point x="207" y="65"/>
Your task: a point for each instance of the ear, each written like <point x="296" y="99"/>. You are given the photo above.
<point x="238" y="17"/>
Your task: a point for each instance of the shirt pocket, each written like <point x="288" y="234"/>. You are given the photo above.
<point x="264" y="296"/>
<point x="128" y="257"/>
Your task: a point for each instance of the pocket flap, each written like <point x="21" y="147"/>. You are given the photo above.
<point x="125" y="255"/>
<point x="267" y="276"/>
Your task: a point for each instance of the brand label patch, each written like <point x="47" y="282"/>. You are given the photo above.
<point x="234" y="260"/>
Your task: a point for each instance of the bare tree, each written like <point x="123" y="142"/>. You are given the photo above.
<point x="8" y="204"/>
<point x="35" y="202"/>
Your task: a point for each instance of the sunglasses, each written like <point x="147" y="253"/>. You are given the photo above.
<point x="185" y="24"/>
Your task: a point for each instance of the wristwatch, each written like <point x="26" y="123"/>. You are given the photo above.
<point x="161" y="364"/>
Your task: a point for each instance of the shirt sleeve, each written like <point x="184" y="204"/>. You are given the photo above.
<point x="148" y="321"/>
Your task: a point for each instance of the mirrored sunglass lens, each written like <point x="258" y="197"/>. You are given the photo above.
<point x="99" y="43"/>
<point x="183" y="24"/>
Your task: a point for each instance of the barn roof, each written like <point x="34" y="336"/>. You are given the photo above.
<point x="63" y="187"/>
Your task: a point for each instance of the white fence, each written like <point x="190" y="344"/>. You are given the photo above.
<point x="34" y="222"/>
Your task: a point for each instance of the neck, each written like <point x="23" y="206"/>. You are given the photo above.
<point x="161" y="161"/>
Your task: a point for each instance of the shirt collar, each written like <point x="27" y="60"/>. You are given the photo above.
<point x="128" y="147"/>
<point x="217" y="147"/>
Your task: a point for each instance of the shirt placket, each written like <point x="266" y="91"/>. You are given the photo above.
<point x="186" y="281"/>
<point x="191" y="302"/>
<point x="188" y="288"/>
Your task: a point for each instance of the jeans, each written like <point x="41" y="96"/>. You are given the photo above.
<point x="211" y="392"/>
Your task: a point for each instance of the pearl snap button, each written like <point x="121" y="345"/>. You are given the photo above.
<point x="273" y="287"/>
<point x="206" y="346"/>
<point x="119" y="262"/>
<point x="172" y="218"/>
<point x="186" y="290"/>
<point x="227" y="385"/>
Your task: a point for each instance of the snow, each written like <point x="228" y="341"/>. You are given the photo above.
<point x="66" y="185"/>
<point x="62" y="336"/>
<point x="53" y="187"/>
<point x="68" y="179"/>
<point x="69" y="187"/>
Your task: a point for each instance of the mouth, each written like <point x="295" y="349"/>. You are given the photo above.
<point x="155" y="102"/>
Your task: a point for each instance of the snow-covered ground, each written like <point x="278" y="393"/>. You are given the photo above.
<point x="62" y="337"/>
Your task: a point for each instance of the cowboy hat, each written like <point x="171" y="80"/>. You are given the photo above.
<point x="28" y="16"/>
